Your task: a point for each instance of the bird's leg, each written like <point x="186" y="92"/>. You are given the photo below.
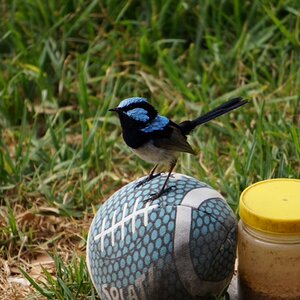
<point x="163" y="189"/>
<point x="149" y="177"/>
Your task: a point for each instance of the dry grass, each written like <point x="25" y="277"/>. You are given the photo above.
<point x="44" y="233"/>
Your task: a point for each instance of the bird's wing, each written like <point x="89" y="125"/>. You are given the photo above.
<point x="176" y="142"/>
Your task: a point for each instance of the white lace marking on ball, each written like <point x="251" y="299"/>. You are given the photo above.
<point x="134" y="215"/>
<point x="113" y="234"/>
<point x="102" y="237"/>
<point x="114" y="226"/>
<point x="123" y="217"/>
<point x="146" y="214"/>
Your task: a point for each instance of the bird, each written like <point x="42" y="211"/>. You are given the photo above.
<point x="157" y="139"/>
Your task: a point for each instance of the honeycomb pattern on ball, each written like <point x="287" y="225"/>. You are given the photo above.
<point x="131" y="248"/>
<point x="212" y="251"/>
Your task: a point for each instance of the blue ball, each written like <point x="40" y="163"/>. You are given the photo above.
<point x="180" y="246"/>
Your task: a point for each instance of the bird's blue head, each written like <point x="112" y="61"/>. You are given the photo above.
<point x="137" y="114"/>
<point x="135" y="111"/>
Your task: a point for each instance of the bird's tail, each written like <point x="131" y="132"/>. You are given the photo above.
<point x="188" y="126"/>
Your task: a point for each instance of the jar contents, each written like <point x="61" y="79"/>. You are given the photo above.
<point x="268" y="270"/>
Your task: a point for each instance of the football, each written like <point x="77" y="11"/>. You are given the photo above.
<point x="180" y="246"/>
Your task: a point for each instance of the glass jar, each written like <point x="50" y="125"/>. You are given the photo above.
<point x="269" y="241"/>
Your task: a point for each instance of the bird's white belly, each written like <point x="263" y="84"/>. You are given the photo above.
<point x="153" y="154"/>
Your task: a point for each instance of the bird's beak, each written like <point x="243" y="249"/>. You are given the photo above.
<point x="113" y="109"/>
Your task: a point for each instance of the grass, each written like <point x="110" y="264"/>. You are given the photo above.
<point x="64" y="63"/>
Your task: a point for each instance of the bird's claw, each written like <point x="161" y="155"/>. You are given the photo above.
<point x="147" y="179"/>
<point x="157" y="195"/>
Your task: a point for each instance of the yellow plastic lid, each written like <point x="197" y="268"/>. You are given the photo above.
<point x="272" y="206"/>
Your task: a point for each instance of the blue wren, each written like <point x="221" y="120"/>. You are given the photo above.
<point x="157" y="139"/>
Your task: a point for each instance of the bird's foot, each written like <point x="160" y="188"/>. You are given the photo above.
<point x="158" y="195"/>
<point x="147" y="179"/>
